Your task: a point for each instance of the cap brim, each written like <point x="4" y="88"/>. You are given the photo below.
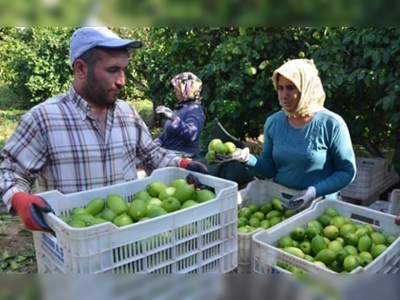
<point x="121" y="43"/>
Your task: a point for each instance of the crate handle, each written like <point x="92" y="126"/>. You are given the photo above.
<point x="365" y="219"/>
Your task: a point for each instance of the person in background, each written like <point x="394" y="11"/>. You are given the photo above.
<point x="185" y="123"/>
<point x="306" y="146"/>
<point x="83" y="139"/>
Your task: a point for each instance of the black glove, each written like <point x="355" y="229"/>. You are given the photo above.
<point x="192" y="165"/>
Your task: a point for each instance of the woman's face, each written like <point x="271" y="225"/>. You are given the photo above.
<point x="178" y="94"/>
<point x="288" y="94"/>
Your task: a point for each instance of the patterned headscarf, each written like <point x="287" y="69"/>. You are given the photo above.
<point x="304" y="75"/>
<point x="189" y="84"/>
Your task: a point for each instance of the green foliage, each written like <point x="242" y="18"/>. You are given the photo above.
<point x="359" y="67"/>
<point x="37" y="61"/>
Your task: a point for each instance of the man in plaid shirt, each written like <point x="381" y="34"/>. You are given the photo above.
<point x="85" y="138"/>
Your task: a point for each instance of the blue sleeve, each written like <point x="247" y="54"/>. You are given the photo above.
<point x="343" y="161"/>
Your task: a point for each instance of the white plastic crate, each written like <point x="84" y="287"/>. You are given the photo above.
<point x="380" y="205"/>
<point x="372" y="175"/>
<point x="266" y="254"/>
<point x="258" y="191"/>
<point x="394" y="202"/>
<point x="198" y="239"/>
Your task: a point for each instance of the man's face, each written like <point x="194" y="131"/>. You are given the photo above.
<point x="106" y="78"/>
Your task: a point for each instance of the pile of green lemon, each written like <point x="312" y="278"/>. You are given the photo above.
<point x="264" y="215"/>
<point x="217" y="146"/>
<point x="156" y="200"/>
<point x="335" y="242"/>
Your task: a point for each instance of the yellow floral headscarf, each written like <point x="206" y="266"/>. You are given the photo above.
<point x="189" y="84"/>
<point x="304" y="74"/>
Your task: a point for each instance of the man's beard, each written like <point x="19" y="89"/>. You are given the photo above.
<point x="95" y="92"/>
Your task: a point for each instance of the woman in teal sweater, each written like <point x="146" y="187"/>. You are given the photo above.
<point x="306" y="146"/>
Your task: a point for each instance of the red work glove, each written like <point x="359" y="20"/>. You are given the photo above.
<point x="30" y="207"/>
<point x="191" y="165"/>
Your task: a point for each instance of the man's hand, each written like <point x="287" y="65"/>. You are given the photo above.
<point x="241" y="155"/>
<point x="169" y="114"/>
<point x="301" y="200"/>
<point x="397" y="219"/>
<point x="191" y="165"/>
<point x="30" y="208"/>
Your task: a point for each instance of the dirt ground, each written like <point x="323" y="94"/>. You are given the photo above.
<point x="15" y="240"/>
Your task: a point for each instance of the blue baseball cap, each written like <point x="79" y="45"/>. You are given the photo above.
<point x="86" y="38"/>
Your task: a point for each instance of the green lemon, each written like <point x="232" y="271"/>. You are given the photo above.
<point x="294" y="251"/>
<point x="230" y="147"/>
<point x="167" y="192"/>
<point x="137" y="209"/>
<point x="317" y="244"/>
<point x="274" y="220"/>
<point x="189" y="203"/>
<point x="350" y="239"/>
<point x="142" y="195"/>
<point x="378" y="238"/>
<point x="364" y="243"/>
<point x="338" y="221"/>
<point x="285" y="241"/>
<point x="298" y="234"/>
<point x="351" y="249"/>
<point x="365" y="258"/>
<point x="212" y="143"/>
<point x="377" y="250"/>
<point x="171" y="204"/>
<point x="117" y="204"/>
<point x="155" y="211"/>
<point x="78" y="210"/>
<point x="311" y="232"/>
<point x="185" y="192"/>
<point x="77" y="223"/>
<point x="123" y="219"/>
<point x="335" y="246"/>
<point x="347" y="228"/>
<point x="332" y="212"/>
<point x="324" y="219"/>
<point x="204" y="195"/>
<point x="83" y="217"/>
<point x="265" y="224"/>
<point x="245" y="212"/>
<point x="273" y="213"/>
<point x="259" y="215"/>
<point x="95" y="206"/>
<point x="350" y="263"/>
<point x="327" y="256"/>
<point x="253" y="207"/>
<point x="331" y="232"/>
<point x="305" y="246"/>
<point x="341" y="255"/>
<point x="265" y="207"/>
<point x="220" y="148"/>
<point x="96" y="221"/>
<point x="176" y="182"/>
<point x="254" y="222"/>
<point x="277" y="204"/>
<point x="108" y="214"/>
<point x="154" y="188"/>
